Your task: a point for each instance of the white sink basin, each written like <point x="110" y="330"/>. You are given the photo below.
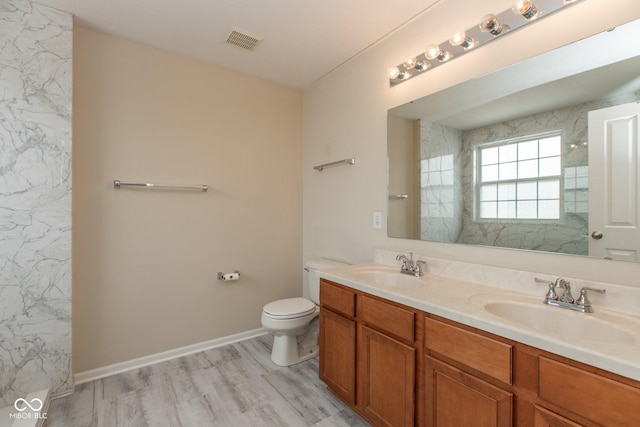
<point x="563" y="322"/>
<point x="386" y="277"/>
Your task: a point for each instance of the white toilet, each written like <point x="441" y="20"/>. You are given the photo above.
<point x="294" y="321"/>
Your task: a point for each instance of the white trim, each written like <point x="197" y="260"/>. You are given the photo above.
<point x="117" y="368"/>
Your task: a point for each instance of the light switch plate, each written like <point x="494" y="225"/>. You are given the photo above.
<point x="377" y="220"/>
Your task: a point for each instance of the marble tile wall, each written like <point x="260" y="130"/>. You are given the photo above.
<point x="440" y="182"/>
<point x="35" y="199"/>
<point x="568" y="236"/>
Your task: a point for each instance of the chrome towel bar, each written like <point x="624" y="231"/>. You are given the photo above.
<point x="320" y="168"/>
<point x="117" y="184"/>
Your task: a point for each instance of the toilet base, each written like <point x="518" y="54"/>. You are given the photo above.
<point x="285" y="351"/>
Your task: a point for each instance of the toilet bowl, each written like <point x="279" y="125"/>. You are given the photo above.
<point x="293" y="322"/>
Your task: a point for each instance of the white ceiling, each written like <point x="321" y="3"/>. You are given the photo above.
<point x="303" y="39"/>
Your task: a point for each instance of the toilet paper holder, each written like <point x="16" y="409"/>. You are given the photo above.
<point x="229" y="276"/>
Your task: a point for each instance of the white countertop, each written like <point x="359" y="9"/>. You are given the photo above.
<point x="463" y="301"/>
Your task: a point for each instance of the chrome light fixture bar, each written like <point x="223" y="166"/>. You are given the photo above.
<point x="490" y="27"/>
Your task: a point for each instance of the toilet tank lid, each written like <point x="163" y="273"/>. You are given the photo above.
<point x="320" y="263"/>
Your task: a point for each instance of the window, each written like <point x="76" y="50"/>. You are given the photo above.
<point x="437" y="182"/>
<point x="520" y="179"/>
<point x="576" y="189"/>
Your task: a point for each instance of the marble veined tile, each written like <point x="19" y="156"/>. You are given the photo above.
<point x="35" y="199"/>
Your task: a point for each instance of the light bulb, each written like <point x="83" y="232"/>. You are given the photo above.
<point x="489" y="24"/>
<point x="459" y="38"/>
<point x="411" y="62"/>
<point x="397" y="73"/>
<point x="433" y="51"/>
<point x="414" y="62"/>
<point x="525" y="8"/>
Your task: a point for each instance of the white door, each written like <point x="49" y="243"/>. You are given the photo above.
<point x="614" y="182"/>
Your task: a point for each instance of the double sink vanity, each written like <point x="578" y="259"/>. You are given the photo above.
<point x="470" y="345"/>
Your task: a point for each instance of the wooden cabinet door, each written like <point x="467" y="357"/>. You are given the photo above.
<point x="545" y="418"/>
<point x="338" y="354"/>
<point x="386" y="379"/>
<point x="455" y="398"/>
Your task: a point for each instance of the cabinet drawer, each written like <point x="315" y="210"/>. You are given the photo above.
<point x="478" y="352"/>
<point x="337" y="298"/>
<point x="390" y="318"/>
<point x="602" y="400"/>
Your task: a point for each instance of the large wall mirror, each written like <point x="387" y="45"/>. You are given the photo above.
<point x="542" y="155"/>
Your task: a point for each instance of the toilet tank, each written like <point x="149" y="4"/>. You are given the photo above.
<point x="313" y="281"/>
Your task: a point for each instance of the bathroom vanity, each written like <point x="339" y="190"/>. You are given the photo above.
<point x="422" y="351"/>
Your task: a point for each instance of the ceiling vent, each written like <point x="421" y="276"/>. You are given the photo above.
<point x="243" y="39"/>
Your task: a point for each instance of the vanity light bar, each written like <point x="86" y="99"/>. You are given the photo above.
<point x="490" y="28"/>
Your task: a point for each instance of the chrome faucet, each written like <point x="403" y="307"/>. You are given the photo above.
<point x="409" y="267"/>
<point x="565" y="300"/>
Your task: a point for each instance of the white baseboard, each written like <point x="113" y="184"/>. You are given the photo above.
<point x="117" y="368"/>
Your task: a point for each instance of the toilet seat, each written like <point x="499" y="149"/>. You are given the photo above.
<point x="289" y="308"/>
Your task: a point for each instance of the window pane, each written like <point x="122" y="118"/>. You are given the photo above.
<point x="550" y="166"/>
<point x="528" y="169"/>
<point x="507" y="210"/>
<point x="549" y="189"/>
<point x="582" y="183"/>
<point x="508" y="153"/>
<point x="528" y="210"/>
<point x="489" y="192"/>
<point x="434" y="178"/>
<point x="569" y="196"/>
<point x="582" y="196"/>
<point x="507" y="191"/>
<point x="550" y="146"/>
<point x="528" y="150"/>
<point x="527" y="191"/>
<point x="424" y="180"/>
<point x="570" y="172"/>
<point x="489" y="156"/>
<point x="432" y="194"/>
<point x="582" y="171"/>
<point x="488" y="210"/>
<point x="489" y="173"/>
<point x="548" y="209"/>
<point x="434" y="163"/>
<point x="508" y="171"/>
<point x="447" y="162"/>
<point x="569" y="183"/>
<point x="447" y="177"/>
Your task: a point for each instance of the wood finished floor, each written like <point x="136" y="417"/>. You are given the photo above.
<point x="234" y="385"/>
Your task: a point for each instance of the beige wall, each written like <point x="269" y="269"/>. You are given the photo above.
<point x="403" y="151"/>
<point x="345" y="116"/>
<point x="145" y="261"/>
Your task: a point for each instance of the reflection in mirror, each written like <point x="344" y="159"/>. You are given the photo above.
<point x="541" y="156"/>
